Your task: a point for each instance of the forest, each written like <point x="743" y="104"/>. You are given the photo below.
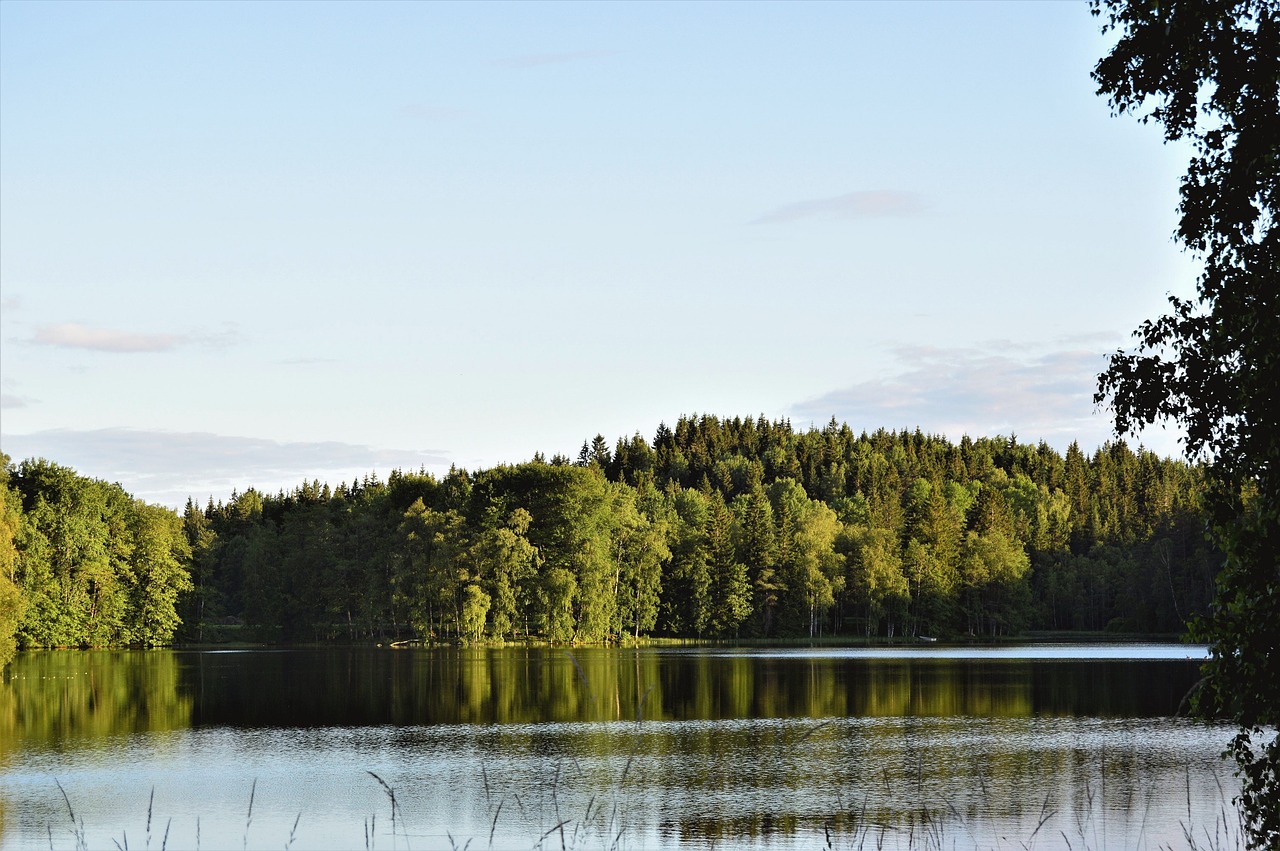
<point x="740" y="528"/>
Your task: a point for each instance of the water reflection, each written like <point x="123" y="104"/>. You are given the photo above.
<point x="670" y="748"/>
<point x="517" y="686"/>
<point x="80" y="699"/>
<point x="52" y="697"/>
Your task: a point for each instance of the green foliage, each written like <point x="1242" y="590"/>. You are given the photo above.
<point x="159" y="574"/>
<point x="876" y="575"/>
<point x="993" y="572"/>
<point x="429" y="572"/>
<point x="814" y="573"/>
<point x="764" y="533"/>
<point x="757" y="549"/>
<point x="687" y="590"/>
<point x="13" y="603"/>
<point x="474" y="606"/>
<point x="507" y="563"/>
<point x="557" y="593"/>
<point x="82" y="564"/>
<point x="641" y="548"/>
<point x="1209" y="74"/>
<point x="730" y="591"/>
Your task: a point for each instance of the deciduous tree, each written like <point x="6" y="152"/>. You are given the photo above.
<point x="1209" y="74"/>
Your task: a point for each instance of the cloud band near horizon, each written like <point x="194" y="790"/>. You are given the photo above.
<point x="168" y="467"/>
<point x="983" y="391"/>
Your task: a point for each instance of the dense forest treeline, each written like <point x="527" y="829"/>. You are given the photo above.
<point x="82" y="563"/>
<point x="719" y="528"/>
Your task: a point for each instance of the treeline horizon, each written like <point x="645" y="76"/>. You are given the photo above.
<point x="718" y="528"/>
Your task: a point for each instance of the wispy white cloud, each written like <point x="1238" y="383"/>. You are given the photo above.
<point x="11" y="303"/>
<point x="867" y="204"/>
<point x="72" y="335"/>
<point x="996" y="388"/>
<point x="535" y="59"/>
<point x="167" y="467"/>
<point x="10" y="401"/>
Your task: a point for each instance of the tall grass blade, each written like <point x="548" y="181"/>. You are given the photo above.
<point x="559" y="826"/>
<point x="1187" y="772"/>
<point x="253" y="790"/>
<point x="150" y="805"/>
<point x="391" y="794"/>
<point x="77" y="829"/>
<point x="293" y="832"/>
<point x="66" y="800"/>
<point x="493" y="826"/>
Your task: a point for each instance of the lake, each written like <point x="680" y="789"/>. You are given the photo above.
<point x="1071" y="746"/>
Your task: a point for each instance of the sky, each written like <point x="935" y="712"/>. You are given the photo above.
<point x="251" y="244"/>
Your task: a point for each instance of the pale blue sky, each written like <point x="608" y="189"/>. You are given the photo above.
<point x="243" y="244"/>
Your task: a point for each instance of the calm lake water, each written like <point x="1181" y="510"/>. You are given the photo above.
<point x="934" y="747"/>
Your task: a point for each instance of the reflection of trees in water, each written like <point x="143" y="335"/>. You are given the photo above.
<point x="730" y="747"/>
<point x="60" y="699"/>
<point x="1099" y="783"/>
<point x="728" y="744"/>
<point x="48" y="695"/>
<point x="371" y="687"/>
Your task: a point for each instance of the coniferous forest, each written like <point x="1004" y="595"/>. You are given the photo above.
<point x="718" y="528"/>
